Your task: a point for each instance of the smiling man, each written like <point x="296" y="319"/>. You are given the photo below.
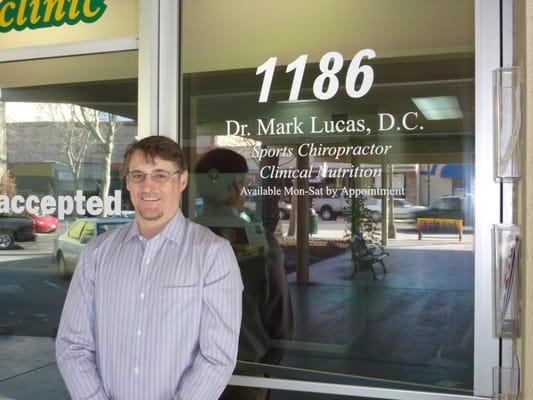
<point x="154" y="307"/>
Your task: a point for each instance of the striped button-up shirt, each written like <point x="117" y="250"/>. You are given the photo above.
<point x="151" y="319"/>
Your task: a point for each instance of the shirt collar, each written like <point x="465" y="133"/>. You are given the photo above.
<point x="171" y="231"/>
<point x="174" y="228"/>
<point x="132" y="232"/>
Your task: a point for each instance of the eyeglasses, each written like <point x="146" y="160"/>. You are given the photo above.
<point x="157" y="176"/>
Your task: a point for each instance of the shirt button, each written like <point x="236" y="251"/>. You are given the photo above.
<point x="139" y="332"/>
<point x="136" y="370"/>
<point x="147" y="261"/>
<point x="142" y="295"/>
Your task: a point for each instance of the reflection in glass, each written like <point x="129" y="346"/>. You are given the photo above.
<point x="220" y="176"/>
<point x="54" y="151"/>
<point x="394" y="167"/>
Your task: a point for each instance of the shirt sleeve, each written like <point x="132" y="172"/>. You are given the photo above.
<point x="75" y="344"/>
<point x="219" y="328"/>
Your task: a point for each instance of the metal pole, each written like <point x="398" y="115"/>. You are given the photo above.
<point x="384" y="205"/>
<point x="302" y="222"/>
<point x="392" y="227"/>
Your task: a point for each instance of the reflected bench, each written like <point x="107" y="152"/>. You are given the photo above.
<point x="366" y="256"/>
<point x="439" y="225"/>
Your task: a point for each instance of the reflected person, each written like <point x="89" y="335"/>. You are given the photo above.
<point x="267" y="311"/>
<point x="154" y="307"/>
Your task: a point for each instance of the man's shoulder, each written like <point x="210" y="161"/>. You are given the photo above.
<point x="202" y="235"/>
<point x="201" y="231"/>
<point x="111" y="237"/>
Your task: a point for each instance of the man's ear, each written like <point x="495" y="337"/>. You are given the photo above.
<point x="235" y="187"/>
<point x="184" y="179"/>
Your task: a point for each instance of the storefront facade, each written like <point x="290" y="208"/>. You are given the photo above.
<point x="356" y="119"/>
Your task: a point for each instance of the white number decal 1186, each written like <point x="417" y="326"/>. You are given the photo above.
<point x="325" y="85"/>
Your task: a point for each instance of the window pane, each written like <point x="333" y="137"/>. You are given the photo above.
<point x="374" y="288"/>
<point x="54" y="139"/>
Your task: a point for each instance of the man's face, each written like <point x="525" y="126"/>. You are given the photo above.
<point x="235" y="198"/>
<point x="238" y="198"/>
<point x="155" y="201"/>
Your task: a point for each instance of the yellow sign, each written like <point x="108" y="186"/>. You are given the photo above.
<point x="34" y="14"/>
<point x="439" y="225"/>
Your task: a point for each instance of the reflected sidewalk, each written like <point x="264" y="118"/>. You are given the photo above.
<point x="28" y="369"/>
<point x="369" y="327"/>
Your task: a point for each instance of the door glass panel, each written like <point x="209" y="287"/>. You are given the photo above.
<point x="356" y="123"/>
<point x="56" y="155"/>
<point x="56" y="132"/>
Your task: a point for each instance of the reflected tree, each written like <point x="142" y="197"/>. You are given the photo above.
<point x="69" y="137"/>
<point x="360" y="219"/>
<point x="8" y="184"/>
<point x="103" y="127"/>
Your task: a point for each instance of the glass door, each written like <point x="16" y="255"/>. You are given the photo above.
<point x="357" y="124"/>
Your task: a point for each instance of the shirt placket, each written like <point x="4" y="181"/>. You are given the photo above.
<point x="149" y="249"/>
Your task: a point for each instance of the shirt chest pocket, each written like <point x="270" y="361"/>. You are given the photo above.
<point x="178" y="285"/>
<point x="179" y="291"/>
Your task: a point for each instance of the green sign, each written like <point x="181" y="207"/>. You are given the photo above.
<point x="34" y="14"/>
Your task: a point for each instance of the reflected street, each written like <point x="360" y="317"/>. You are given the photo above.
<point x="31" y="290"/>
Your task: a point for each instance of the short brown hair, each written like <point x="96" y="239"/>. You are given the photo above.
<point x="156" y="146"/>
<point x="223" y="160"/>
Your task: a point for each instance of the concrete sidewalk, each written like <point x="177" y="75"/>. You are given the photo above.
<point x="28" y="370"/>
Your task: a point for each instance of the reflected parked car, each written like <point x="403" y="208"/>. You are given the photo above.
<point x="44" y="223"/>
<point x="68" y="246"/>
<point x="450" y="207"/>
<point x="15" y="228"/>
<point x="403" y="209"/>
